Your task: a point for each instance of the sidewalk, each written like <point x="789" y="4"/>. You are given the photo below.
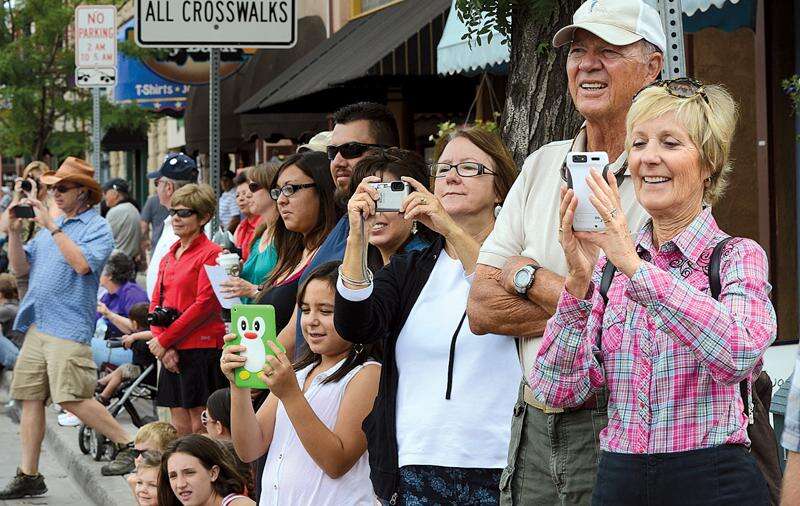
<point x="86" y="486"/>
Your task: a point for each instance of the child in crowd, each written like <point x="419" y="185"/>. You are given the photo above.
<point x="142" y="358"/>
<point x="217" y="420"/>
<point x="151" y="438"/>
<point x="146" y="478"/>
<point x="195" y="470"/>
<point x="312" y="418"/>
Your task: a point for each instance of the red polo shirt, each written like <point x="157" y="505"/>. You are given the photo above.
<point x="186" y="288"/>
<point x="245" y="233"/>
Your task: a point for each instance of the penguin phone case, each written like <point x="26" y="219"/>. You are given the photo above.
<point x="254" y="326"/>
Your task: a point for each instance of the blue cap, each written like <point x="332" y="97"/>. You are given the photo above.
<point x="178" y="167"/>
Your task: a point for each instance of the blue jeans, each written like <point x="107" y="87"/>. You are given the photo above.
<point x="8" y="352"/>
<point x="102" y="354"/>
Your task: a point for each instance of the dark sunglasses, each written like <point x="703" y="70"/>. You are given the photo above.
<point x="350" y="150"/>
<point x="681" y="87"/>
<point x="254" y="187"/>
<point x="62" y="188"/>
<point x="137" y="452"/>
<point x="183" y="213"/>
<point x="463" y="169"/>
<point x="289" y="190"/>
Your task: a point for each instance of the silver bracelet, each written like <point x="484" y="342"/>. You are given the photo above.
<point x="355" y="282"/>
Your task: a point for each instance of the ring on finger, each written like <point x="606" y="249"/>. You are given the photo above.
<point x="423" y="201"/>
<point x="613" y="213"/>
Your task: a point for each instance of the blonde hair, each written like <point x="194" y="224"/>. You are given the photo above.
<point x="197" y="197"/>
<point x="35" y="166"/>
<point x="160" y="433"/>
<point x="710" y="127"/>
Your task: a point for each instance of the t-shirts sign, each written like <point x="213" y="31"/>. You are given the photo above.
<point x="216" y="23"/>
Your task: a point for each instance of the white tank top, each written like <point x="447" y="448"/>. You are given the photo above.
<point x="291" y="477"/>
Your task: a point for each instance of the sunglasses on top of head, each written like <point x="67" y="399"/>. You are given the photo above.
<point x="350" y="150"/>
<point x="183" y="213"/>
<point x="254" y="187"/>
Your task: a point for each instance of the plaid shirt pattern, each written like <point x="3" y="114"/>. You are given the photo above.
<point x="672" y="357"/>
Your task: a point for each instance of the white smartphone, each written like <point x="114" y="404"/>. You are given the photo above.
<point x="579" y="163"/>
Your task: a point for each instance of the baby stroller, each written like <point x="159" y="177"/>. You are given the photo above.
<point x="142" y="387"/>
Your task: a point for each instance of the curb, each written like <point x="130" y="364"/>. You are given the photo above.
<point x="84" y="471"/>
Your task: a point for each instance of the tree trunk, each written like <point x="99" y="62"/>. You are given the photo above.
<point x="538" y="105"/>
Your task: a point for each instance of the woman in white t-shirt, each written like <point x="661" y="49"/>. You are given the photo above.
<point x="311" y="421"/>
<point x="439" y="431"/>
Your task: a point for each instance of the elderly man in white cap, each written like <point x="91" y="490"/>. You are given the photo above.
<point x="615" y="48"/>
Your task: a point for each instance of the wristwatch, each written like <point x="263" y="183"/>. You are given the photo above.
<point x="523" y="279"/>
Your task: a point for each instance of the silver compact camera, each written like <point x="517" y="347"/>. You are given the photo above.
<point x="391" y="196"/>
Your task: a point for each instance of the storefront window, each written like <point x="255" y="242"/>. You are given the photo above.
<point x="362" y="6"/>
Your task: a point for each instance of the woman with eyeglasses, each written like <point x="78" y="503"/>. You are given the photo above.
<point x="303" y="190"/>
<point x="439" y="429"/>
<point x="671" y="350"/>
<point x="263" y="256"/>
<point x="391" y="233"/>
<point x="185" y="313"/>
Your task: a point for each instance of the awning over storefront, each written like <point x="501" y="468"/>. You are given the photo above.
<point x="456" y="56"/>
<point x="399" y="40"/>
<point x="257" y="72"/>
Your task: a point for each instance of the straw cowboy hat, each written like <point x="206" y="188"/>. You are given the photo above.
<point x="77" y="171"/>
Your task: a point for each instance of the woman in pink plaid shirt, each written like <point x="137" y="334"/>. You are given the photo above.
<point x="670" y="356"/>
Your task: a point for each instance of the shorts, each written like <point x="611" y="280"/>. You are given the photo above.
<point x="130" y="371"/>
<point x="198" y="377"/>
<point x="51" y="368"/>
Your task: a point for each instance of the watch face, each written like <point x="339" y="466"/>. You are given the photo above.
<point x="522" y="278"/>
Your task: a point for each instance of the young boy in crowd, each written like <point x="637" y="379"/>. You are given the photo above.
<point x="153" y="437"/>
<point x="142" y="358"/>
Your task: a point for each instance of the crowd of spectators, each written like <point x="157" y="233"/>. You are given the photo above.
<point x="469" y="348"/>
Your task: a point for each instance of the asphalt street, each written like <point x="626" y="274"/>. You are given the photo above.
<point x="62" y="490"/>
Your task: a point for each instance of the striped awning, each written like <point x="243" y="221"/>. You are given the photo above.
<point x="690" y="7"/>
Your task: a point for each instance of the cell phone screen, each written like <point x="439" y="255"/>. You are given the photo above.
<point x="23" y="212"/>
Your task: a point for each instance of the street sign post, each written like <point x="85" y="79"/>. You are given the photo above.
<point x="95" y="60"/>
<point x="216" y="23"/>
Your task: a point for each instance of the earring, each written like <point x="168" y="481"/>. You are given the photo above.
<point x="358" y="348"/>
<point x="497" y="210"/>
<point x="414" y="227"/>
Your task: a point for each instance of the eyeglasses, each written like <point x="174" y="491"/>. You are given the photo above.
<point x="463" y="169"/>
<point x="62" y="188"/>
<point x="289" y="190"/>
<point x="204" y="417"/>
<point x="254" y="187"/>
<point x="350" y="150"/>
<point x="183" y="213"/>
<point x="681" y="87"/>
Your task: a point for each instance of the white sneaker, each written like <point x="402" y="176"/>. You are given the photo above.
<point x="67" y="419"/>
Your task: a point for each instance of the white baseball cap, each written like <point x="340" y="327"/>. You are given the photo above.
<point x="319" y="142"/>
<point x="618" y="22"/>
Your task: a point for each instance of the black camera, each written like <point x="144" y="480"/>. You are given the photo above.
<point x="163" y="316"/>
<point x="579" y="158"/>
<point x="26" y="185"/>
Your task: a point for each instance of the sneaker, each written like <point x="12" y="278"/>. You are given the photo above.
<point x="24" y="485"/>
<point x="123" y="463"/>
<point x="67" y="419"/>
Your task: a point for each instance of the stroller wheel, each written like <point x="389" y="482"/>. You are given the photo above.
<point x="85" y="439"/>
<point x="100" y="445"/>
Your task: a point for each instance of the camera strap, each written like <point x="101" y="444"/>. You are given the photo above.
<point x="161" y="282"/>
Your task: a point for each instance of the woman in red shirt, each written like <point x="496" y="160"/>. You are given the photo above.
<point x="195" y="328"/>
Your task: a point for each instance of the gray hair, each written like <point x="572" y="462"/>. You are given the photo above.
<point x="178" y="184"/>
<point x="120" y="268"/>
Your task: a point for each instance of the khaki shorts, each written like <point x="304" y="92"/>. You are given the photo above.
<point x="51" y="368"/>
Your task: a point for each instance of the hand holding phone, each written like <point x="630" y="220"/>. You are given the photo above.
<point x="579" y="163"/>
<point x="23" y="211"/>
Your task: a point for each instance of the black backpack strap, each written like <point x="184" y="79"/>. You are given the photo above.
<point x="605" y="283"/>
<point x="715" y="286"/>
<point x="714" y="281"/>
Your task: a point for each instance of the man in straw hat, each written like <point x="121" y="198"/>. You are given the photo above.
<point x="615" y="48"/>
<point x="57" y="315"/>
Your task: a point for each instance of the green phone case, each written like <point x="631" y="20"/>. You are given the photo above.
<point x="254" y="326"/>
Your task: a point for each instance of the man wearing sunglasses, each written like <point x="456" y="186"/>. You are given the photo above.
<point x="177" y="171"/>
<point x="57" y="315"/>
<point x="615" y="49"/>
<point x="359" y="128"/>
